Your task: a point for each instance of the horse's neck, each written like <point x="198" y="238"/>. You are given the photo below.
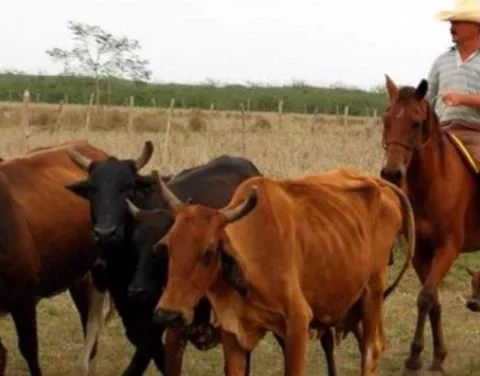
<point x="428" y="168"/>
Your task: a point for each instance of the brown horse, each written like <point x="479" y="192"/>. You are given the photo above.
<point x="445" y="196"/>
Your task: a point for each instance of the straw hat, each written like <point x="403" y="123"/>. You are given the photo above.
<point x="465" y="10"/>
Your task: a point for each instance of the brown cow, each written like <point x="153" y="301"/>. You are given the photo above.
<point x="45" y="241"/>
<point x="308" y="249"/>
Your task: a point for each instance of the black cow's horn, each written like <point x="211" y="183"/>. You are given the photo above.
<point x="79" y="159"/>
<point x="147" y="152"/>
<point x="134" y="210"/>
<point x="172" y="200"/>
<point x="242" y="209"/>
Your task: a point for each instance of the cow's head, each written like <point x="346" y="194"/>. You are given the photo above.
<point x="109" y="183"/>
<point x="151" y="268"/>
<point x="473" y="302"/>
<point x="198" y="250"/>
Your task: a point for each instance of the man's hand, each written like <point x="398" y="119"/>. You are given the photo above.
<point x="453" y="98"/>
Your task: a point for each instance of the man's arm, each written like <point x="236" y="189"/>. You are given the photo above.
<point x="470" y="100"/>
<point x="457" y="98"/>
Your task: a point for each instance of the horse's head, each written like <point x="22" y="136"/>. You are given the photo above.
<point x="407" y="127"/>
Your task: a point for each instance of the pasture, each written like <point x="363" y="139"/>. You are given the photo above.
<point x="294" y="145"/>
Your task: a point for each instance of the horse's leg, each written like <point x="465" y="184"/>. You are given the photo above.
<point x="3" y="358"/>
<point x="441" y="264"/>
<point x="25" y="320"/>
<point x="439" y="347"/>
<point x="421" y="263"/>
<point x="431" y="272"/>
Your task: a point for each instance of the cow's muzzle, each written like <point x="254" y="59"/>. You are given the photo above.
<point x="106" y="235"/>
<point x="169" y="318"/>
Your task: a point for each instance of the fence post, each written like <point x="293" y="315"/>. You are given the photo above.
<point x="25" y="120"/>
<point x="130" y="113"/>
<point x="89" y="111"/>
<point x="167" y="132"/>
<point x="280" y="113"/>
<point x="345" y="116"/>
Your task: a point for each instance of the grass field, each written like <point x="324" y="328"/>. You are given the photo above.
<point x="303" y="144"/>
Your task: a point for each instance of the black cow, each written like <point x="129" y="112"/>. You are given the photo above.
<point x="126" y="244"/>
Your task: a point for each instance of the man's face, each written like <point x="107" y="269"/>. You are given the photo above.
<point x="462" y="31"/>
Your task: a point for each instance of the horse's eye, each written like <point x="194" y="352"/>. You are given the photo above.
<point x="417" y="124"/>
<point x="208" y="256"/>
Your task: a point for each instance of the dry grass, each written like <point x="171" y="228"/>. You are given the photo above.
<point x="304" y="145"/>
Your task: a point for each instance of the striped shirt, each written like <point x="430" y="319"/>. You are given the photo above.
<point x="449" y="72"/>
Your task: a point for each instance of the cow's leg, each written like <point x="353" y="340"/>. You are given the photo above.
<point x="157" y="349"/>
<point x="147" y="346"/>
<point x="371" y="319"/>
<point x="175" y="346"/>
<point x="358" y="333"/>
<point x="328" y="344"/>
<point x="94" y="325"/>
<point x="81" y="292"/>
<point x="296" y="341"/>
<point x="3" y="358"/>
<point x="235" y="357"/>
<point x="138" y="364"/>
<point x="25" y="320"/>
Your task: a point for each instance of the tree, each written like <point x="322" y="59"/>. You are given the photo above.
<point x="99" y="54"/>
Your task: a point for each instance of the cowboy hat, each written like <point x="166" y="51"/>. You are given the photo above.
<point x="465" y="10"/>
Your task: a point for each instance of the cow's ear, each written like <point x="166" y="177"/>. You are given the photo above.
<point x="80" y="188"/>
<point x="231" y="271"/>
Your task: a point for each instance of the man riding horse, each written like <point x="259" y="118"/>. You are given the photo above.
<point x="454" y="78"/>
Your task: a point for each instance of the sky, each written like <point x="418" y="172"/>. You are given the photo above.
<point x="319" y="42"/>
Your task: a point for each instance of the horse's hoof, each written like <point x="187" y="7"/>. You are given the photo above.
<point x="437" y="368"/>
<point x="409" y="372"/>
<point x="413" y="364"/>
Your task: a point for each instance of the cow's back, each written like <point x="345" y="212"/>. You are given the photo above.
<point x="48" y="226"/>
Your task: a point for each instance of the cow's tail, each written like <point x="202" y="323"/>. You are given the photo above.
<point x="408" y="231"/>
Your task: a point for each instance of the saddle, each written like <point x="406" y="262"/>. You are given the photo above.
<point x="467" y="141"/>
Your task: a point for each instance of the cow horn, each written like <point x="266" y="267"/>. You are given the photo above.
<point x="79" y="159"/>
<point x="242" y="209"/>
<point x="133" y="209"/>
<point x="172" y="200"/>
<point x="147" y="152"/>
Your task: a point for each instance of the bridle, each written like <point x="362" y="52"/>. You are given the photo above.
<point x="410" y="148"/>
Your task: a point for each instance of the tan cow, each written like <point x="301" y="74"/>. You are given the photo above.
<point x="309" y="248"/>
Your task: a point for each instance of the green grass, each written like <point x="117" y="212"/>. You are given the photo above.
<point x="297" y="98"/>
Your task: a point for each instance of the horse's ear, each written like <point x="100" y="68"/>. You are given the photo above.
<point x="391" y="88"/>
<point x="421" y="90"/>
